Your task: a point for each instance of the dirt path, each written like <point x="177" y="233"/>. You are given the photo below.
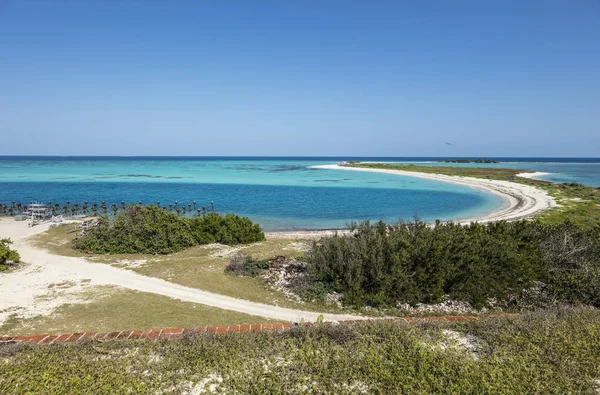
<point x="25" y="292"/>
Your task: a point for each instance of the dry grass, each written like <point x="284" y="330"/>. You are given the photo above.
<point x="201" y="267"/>
<point x="110" y="309"/>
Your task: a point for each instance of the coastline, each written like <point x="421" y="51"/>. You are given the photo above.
<point x="524" y="201"/>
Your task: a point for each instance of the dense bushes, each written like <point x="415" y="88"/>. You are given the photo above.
<point x="382" y="265"/>
<point x="152" y="230"/>
<point x="6" y="254"/>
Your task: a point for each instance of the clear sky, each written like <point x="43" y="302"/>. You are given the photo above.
<point x="381" y="78"/>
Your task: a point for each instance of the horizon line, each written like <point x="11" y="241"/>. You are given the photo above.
<point x="292" y="156"/>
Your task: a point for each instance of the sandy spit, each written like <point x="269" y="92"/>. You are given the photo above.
<point x="533" y="175"/>
<point x="524" y="201"/>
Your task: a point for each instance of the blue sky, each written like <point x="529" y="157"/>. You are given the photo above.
<point x="389" y="78"/>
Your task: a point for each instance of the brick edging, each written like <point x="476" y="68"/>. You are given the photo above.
<point x="176" y="333"/>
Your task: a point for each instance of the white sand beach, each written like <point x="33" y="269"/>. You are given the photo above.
<point x="534" y="175"/>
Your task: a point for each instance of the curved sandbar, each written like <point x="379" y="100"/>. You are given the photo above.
<point x="524" y="201"/>
<point x="534" y="175"/>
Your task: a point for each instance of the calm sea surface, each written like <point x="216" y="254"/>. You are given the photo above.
<point x="279" y="193"/>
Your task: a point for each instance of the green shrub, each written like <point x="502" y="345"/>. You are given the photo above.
<point x="152" y="230"/>
<point x="308" y="289"/>
<point x="7" y="254"/>
<point x="229" y="229"/>
<point x="245" y="265"/>
<point x="383" y="265"/>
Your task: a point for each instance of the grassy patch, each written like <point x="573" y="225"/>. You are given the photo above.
<point x="201" y="267"/>
<point x="577" y="203"/>
<point x="112" y="309"/>
<point x="551" y="352"/>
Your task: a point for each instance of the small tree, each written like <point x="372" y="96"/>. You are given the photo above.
<point x="7" y="254"/>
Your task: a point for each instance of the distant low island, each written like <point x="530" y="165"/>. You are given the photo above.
<point x="469" y="161"/>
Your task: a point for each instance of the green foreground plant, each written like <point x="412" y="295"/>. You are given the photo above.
<point x="518" y="265"/>
<point x="553" y="351"/>
<point x="152" y="230"/>
<point x="7" y="254"/>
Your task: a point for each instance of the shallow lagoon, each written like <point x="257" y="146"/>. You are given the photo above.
<point x="279" y="193"/>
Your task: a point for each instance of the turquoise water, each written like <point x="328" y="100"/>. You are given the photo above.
<point x="279" y="193"/>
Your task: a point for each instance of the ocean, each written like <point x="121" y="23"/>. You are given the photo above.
<point x="279" y="193"/>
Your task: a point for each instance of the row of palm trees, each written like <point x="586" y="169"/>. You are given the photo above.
<point x="95" y="209"/>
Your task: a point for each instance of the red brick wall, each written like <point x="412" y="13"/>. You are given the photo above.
<point x="175" y="333"/>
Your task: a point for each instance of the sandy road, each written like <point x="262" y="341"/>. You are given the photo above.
<point x="21" y="291"/>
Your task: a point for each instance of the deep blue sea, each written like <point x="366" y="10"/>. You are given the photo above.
<point x="279" y="193"/>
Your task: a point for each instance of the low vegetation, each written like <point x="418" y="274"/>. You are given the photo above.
<point x="7" y="255"/>
<point x="469" y="161"/>
<point x="152" y="230"/>
<point x="506" y="264"/>
<point x="104" y="309"/>
<point x="548" y="352"/>
<point x="245" y="265"/>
